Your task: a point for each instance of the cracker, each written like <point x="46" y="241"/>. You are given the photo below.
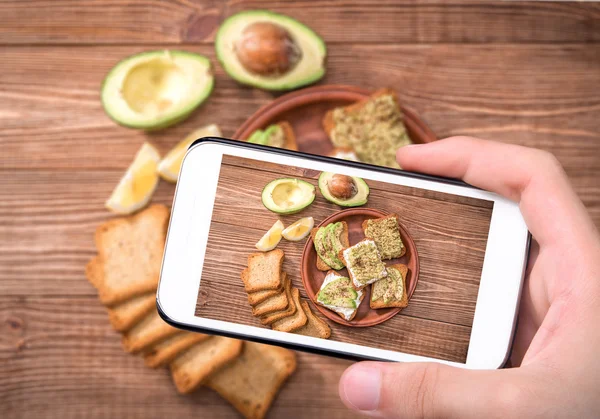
<point x="264" y="271"/>
<point x="272" y="317"/>
<point x="130" y="251"/>
<point x="164" y="352"/>
<point x="295" y="321"/>
<point x="125" y="315"/>
<point x="252" y="381"/>
<point x="403" y="269"/>
<point x="314" y="326"/>
<point x="193" y="366"/>
<point x="276" y="303"/>
<point x="150" y="330"/>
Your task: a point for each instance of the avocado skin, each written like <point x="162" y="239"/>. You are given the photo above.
<point x="267" y="200"/>
<point x="166" y="122"/>
<point x="357" y="200"/>
<point x="273" y="83"/>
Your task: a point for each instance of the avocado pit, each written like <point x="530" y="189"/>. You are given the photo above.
<point x="342" y="186"/>
<point x="267" y="49"/>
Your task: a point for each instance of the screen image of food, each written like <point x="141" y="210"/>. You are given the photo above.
<point x="343" y="258"/>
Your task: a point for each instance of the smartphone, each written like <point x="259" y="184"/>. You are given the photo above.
<point x="465" y="253"/>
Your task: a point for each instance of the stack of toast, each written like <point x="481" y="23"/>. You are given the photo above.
<point x="365" y="264"/>
<point x="274" y="302"/>
<point x="126" y="271"/>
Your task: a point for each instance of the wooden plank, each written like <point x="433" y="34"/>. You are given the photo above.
<point x="515" y="94"/>
<point x="388" y="21"/>
<point x="60" y="359"/>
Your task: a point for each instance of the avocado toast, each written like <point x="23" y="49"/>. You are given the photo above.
<point x="385" y="232"/>
<point x="279" y="135"/>
<point x="329" y="240"/>
<point x="391" y="291"/>
<point x="363" y="262"/>
<point x="338" y="294"/>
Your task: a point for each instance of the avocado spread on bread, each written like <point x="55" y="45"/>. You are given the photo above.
<point x="328" y="244"/>
<point x="389" y="288"/>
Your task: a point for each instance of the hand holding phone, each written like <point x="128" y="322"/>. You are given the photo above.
<point x="557" y="337"/>
<point x="399" y="266"/>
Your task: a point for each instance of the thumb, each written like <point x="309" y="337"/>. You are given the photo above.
<point x="427" y="390"/>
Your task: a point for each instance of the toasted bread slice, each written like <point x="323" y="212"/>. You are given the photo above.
<point x="361" y="280"/>
<point x="258" y="297"/>
<point x="150" y="330"/>
<point x="264" y="271"/>
<point x="329" y="121"/>
<point x="127" y="314"/>
<point x="344" y="240"/>
<point x="314" y="327"/>
<point x="289" y="311"/>
<point x="385" y="231"/>
<point x="341" y="311"/>
<point x="276" y="303"/>
<point x="295" y="321"/>
<point x="130" y="251"/>
<point x="251" y="382"/>
<point x="290" y="137"/>
<point x="164" y="352"/>
<point x="193" y="366"/>
<point x="386" y="130"/>
<point x="402" y="302"/>
<point x="93" y="271"/>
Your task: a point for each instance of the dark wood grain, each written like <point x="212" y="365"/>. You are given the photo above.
<point x="389" y="21"/>
<point x="450" y="238"/>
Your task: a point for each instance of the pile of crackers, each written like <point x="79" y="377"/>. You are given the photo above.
<point x="273" y="299"/>
<point x="125" y="272"/>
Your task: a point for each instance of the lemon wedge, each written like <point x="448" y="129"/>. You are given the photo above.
<point x="169" y="166"/>
<point x="136" y="187"/>
<point x="299" y="230"/>
<point x="271" y="238"/>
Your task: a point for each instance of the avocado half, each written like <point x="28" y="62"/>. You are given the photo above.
<point x="360" y="196"/>
<point x="156" y="89"/>
<point x="288" y="195"/>
<point x="311" y="49"/>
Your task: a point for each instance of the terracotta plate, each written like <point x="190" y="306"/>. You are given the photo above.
<point x="312" y="278"/>
<point x="304" y="109"/>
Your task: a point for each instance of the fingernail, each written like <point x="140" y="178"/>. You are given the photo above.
<point x="361" y="387"/>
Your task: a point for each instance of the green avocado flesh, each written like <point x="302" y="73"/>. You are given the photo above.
<point x="338" y="293"/>
<point x="328" y="244"/>
<point x="156" y="89"/>
<point x="389" y="288"/>
<point x="272" y="136"/>
<point x="309" y="50"/>
<point x="360" y="187"/>
<point x="287" y="195"/>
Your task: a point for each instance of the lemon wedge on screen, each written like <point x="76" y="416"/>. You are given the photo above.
<point x="137" y="185"/>
<point x="299" y="230"/>
<point x="169" y="166"/>
<point x="271" y="238"/>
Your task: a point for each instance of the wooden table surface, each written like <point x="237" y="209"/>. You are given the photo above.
<point x="524" y="73"/>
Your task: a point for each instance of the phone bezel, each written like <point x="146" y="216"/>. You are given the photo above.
<point x="170" y="291"/>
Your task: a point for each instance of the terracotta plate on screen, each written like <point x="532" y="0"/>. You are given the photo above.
<point x="312" y="278"/>
<point x="304" y="109"/>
